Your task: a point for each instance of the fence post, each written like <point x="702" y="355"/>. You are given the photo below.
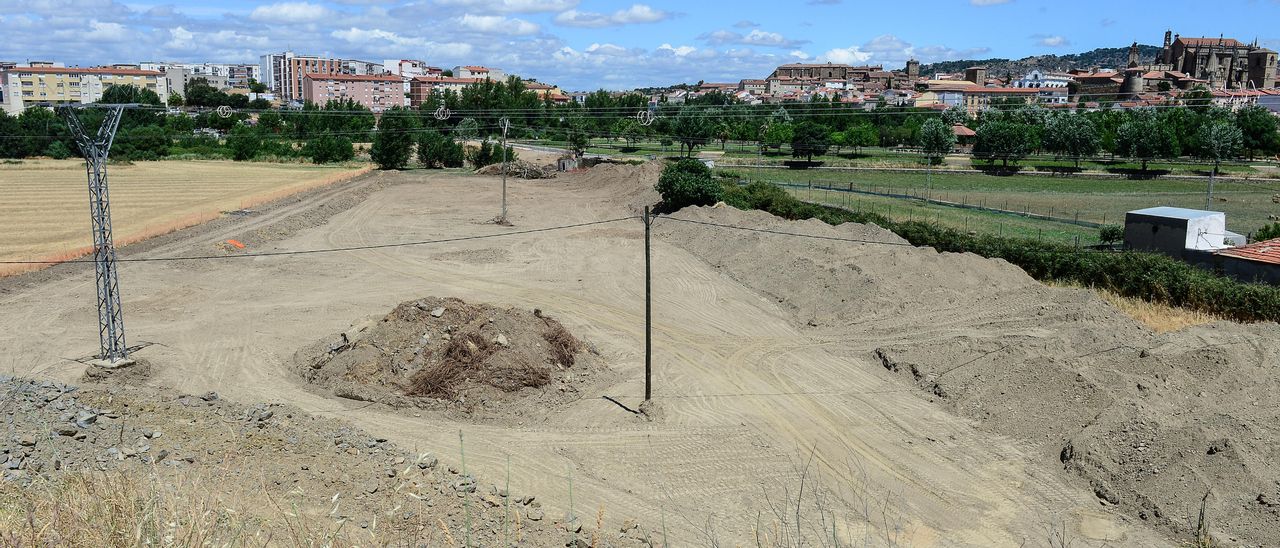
<point x="648" y="312"/>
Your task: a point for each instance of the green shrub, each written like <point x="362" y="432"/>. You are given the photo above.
<point x="328" y="149"/>
<point x="245" y="143"/>
<point x="1268" y="232"/>
<point x="687" y="182"/>
<point x="58" y="151"/>
<point x="1111" y="234"/>
<point x="436" y="150"/>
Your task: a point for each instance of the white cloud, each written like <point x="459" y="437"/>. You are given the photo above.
<point x="891" y="51"/>
<point x="637" y="13"/>
<point x="606" y="49"/>
<point x="180" y="38"/>
<point x="799" y="55"/>
<point x="756" y="37"/>
<point x="497" y="24"/>
<point x="680" y="51"/>
<point x="1052" y="41"/>
<point x="511" y="6"/>
<point x="107" y="32"/>
<point x="290" y="12"/>
<point x="847" y="56"/>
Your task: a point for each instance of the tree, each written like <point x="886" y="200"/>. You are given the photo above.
<point x="687" y="182"/>
<point x="627" y="129"/>
<point x="862" y="135"/>
<point x="936" y="139"/>
<point x="327" y="149"/>
<point x="393" y="140"/>
<point x="58" y="151"/>
<point x="1218" y="141"/>
<point x="244" y="142"/>
<point x="200" y="94"/>
<point x="778" y="133"/>
<point x="809" y="139"/>
<point x="467" y="130"/>
<point x="1259" y="128"/>
<point x="256" y="86"/>
<point x="955" y="116"/>
<point x="436" y="150"/>
<point x="141" y="143"/>
<point x="1110" y="234"/>
<point x="1003" y="140"/>
<point x="1071" y="135"/>
<point x="693" y="129"/>
<point x="1143" y="137"/>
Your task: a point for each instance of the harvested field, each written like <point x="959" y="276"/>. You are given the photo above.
<point x="889" y="395"/>
<point x="45" y="213"/>
<point x="479" y="360"/>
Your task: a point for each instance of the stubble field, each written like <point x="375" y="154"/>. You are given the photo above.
<point x="45" y="212"/>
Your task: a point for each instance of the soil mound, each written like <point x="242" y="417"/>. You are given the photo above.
<point x="443" y="352"/>
<point x="1149" y="423"/>
<point x="629" y="185"/>
<point x="521" y="169"/>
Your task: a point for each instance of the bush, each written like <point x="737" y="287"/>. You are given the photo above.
<point x="245" y="143"/>
<point x="687" y="182"/>
<point x="436" y="151"/>
<point x="488" y="154"/>
<point x="58" y="151"/>
<point x="1268" y="232"/>
<point x="328" y="149"/>
<point x="1111" y="234"/>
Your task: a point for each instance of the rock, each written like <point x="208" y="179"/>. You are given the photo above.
<point x="427" y="461"/>
<point x="572" y="526"/>
<point x="370" y="487"/>
<point x="210" y="396"/>
<point x="27" y="440"/>
<point x="66" y="430"/>
<point x="502" y="340"/>
<point x="525" y="500"/>
<point x="465" y="484"/>
<point x="578" y="543"/>
<point x="534" y="514"/>
<point x="437" y="312"/>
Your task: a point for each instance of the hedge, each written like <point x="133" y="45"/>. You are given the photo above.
<point x="1149" y="276"/>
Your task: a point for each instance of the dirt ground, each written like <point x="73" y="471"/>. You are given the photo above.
<point x="769" y="392"/>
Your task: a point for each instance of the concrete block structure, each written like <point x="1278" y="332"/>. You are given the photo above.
<point x="376" y="92"/>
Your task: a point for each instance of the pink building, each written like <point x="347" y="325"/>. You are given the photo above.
<point x="377" y="92"/>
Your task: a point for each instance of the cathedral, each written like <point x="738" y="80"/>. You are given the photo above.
<point x="1223" y="62"/>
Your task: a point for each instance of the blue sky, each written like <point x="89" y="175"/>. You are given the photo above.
<point x="615" y="44"/>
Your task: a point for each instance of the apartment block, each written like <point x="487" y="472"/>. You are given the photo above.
<point x="377" y="92"/>
<point x="25" y="86"/>
<point x="284" y="72"/>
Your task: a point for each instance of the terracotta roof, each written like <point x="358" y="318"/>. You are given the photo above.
<point x="447" y="80"/>
<point x="1000" y="91"/>
<point x="1261" y="252"/>
<point x="77" y="70"/>
<point x="476" y="68"/>
<point x="353" y="77"/>
<point x="961" y="131"/>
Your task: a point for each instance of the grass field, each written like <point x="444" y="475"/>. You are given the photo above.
<point x="45" y="212"/>
<point x="1248" y="206"/>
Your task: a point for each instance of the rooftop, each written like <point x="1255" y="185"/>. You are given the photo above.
<point x="1263" y="252"/>
<point x="1175" y="212"/>
<point x="354" y="77"/>
<point x="77" y="70"/>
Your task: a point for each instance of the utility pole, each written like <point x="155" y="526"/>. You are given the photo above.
<point x="114" y="352"/>
<point x="505" y="124"/>
<point x="648" y="311"/>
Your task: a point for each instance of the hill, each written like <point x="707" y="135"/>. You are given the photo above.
<point x="1102" y="57"/>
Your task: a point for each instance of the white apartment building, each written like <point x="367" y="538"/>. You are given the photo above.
<point x="25" y="86"/>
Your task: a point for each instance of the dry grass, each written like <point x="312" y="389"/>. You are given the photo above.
<point x="44" y="216"/>
<point x="1159" y="317"/>
<point x="165" y="508"/>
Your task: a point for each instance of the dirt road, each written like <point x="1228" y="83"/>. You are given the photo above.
<point x="749" y="408"/>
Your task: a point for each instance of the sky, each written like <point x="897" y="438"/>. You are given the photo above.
<point x="610" y="44"/>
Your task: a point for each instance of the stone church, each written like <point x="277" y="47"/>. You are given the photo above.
<point x="1224" y="62"/>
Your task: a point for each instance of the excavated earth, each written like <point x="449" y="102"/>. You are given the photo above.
<point x="472" y="360"/>
<point x="1148" y="423"/>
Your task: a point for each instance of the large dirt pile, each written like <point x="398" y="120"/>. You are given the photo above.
<point x="446" y="353"/>
<point x="1149" y="423"/>
<point x="629" y="185"/>
<point x="271" y="469"/>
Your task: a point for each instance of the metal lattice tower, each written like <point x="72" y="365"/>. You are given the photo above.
<point x="95" y="149"/>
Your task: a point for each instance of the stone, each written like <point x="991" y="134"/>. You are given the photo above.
<point x="464" y="484"/>
<point x="66" y="430"/>
<point x="427" y="461"/>
<point x="27" y="440"/>
<point x="502" y="340"/>
<point x="534" y="514"/>
<point x="437" y="312"/>
<point x="210" y="396"/>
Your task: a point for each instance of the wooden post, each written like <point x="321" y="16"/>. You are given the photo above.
<point x="648" y="312"/>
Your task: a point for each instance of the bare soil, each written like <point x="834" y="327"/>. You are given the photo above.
<point x="1148" y="422"/>
<point x="767" y="381"/>
<point x="472" y="360"/>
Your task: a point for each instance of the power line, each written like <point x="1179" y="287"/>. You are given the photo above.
<point x="339" y="249"/>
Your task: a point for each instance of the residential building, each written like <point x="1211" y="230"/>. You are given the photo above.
<point x="410" y="68"/>
<point x="283" y="72"/>
<point x="547" y="91"/>
<point x="1257" y="262"/>
<point x="377" y="92"/>
<point x="45" y="83"/>
<point x="472" y="71"/>
<point x="1039" y="79"/>
<point x="421" y="87"/>
<point x="978" y="98"/>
